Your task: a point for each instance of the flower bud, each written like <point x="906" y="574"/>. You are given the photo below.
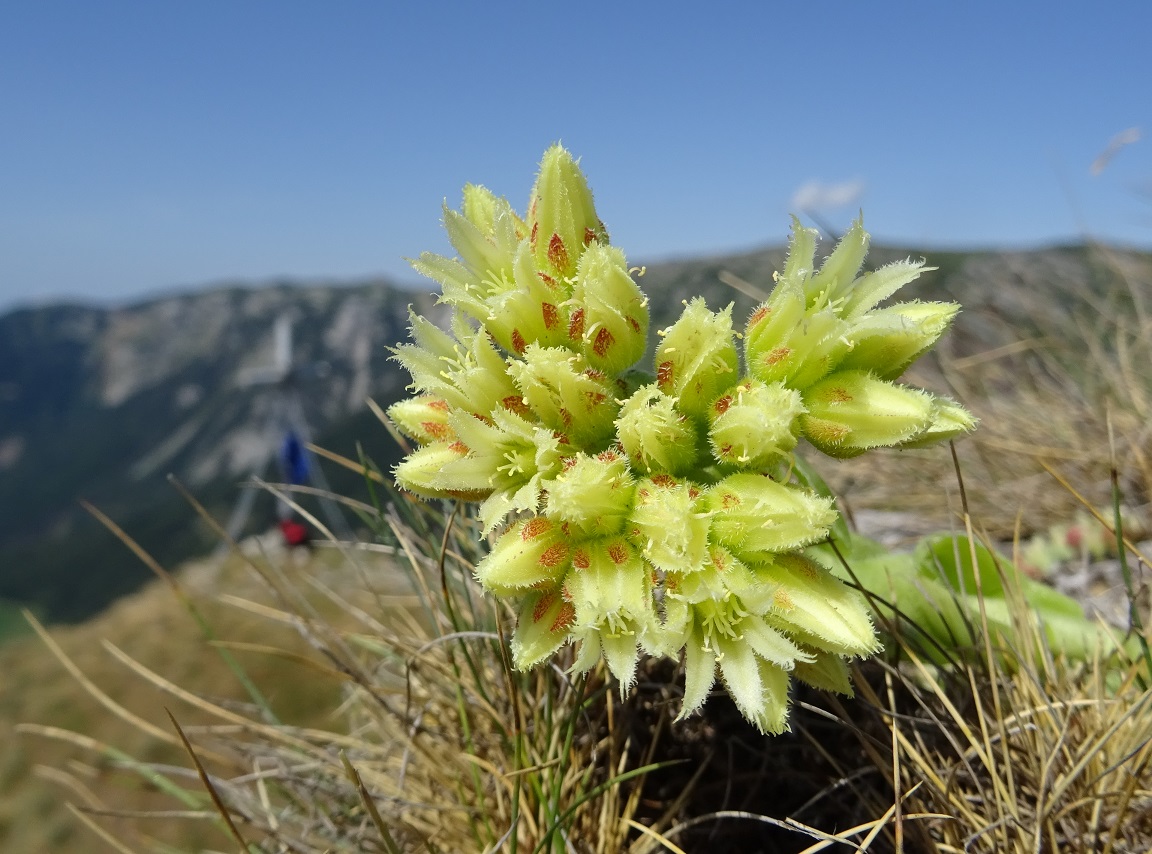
<point x="669" y="523"/>
<point x="752" y="424"/>
<point x="527" y="309"/>
<point x="593" y="495"/>
<point x="567" y="395"/>
<point x="696" y="358"/>
<point x="544" y="626"/>
<point x="656" y="437"/>
<point x="423" y="418"/>
<point x="755" y="516"/>
<point x="610" y="588"/>
<point x="609" y="584"/>
<point x="853" y="411"/>
<point x="422" y="472"/>
<point x="785" y="342"/>
<point x="818" y="609"/>
<point x="608" y="317"/>
<point x="887" y="341"/>
<point x="562" y="220"/>
<point x="515" y="458"/>
<point x="532" y="553"/>
<point x="949" y="420"/>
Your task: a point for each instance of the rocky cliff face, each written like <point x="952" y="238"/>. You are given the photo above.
<point x="104" y="403"/>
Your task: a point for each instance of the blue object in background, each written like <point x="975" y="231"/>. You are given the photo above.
<point x="294" y="460"/>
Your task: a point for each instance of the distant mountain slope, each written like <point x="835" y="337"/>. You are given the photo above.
<point x="103" y="403"/>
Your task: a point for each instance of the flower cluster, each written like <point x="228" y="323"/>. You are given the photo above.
<point x="654" y="512"/>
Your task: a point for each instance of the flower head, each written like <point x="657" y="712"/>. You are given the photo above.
<point x="652" y="511"/>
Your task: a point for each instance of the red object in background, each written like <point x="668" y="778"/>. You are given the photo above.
<point x="295" y="534"/>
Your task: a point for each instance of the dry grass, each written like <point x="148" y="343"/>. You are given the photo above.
<point x="156" y="628"/>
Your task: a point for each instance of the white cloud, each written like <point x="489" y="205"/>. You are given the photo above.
<point x="1125" y="137"/>
<point x="818" y="196"/>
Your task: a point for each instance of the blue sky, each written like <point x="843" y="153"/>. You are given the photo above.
<point x="149" y="146"/>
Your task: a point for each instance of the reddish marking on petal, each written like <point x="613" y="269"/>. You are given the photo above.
<point x="634" y="323"/>
<point x="664" y="480"/>
<point x="837" y="394"/>
<point x="721" y="406"/>
<point x="726" y="449"/>
<point x="728" y="500"/>
<point x="437" y="403"/>
<point x="589" y="235"/>
<point x="642" y="494"/>
<point x="609" y="456"/>
<point x="550" y="315"/>
<point x="581" y="559"/>
<point x="562" y="438"/>
<point x="436" y="429"/>
<point x="665" y="372"/>
<point x="548" y="280"/>
<point x="566" y="417"/>
<point x="594" y="374"/>
<point x="618" y="552"/>
<point x="576" y="325"/>
<point x="595" y="398"/>
<point x="604" y="340"/>
<point x="720" y="561"/>
<point x="774" y="357"/>
<point x="759" y="314"/>
<point x="534" y="527"/>
<point x="553" y="556"/>
<point x="459" y="448"/>
<point x="693" y="492"/>
<point x="515" y="403"/>
<point x="542" y="605"/>
<point x="782" y="600"/>
<point x="518" y="342"/>
<point x="535" y="225"/>
<point x="568" y="462"/>
<point x="557" y="252"/>
<point x="671" y="582"/>
<point x="565" y="617"/>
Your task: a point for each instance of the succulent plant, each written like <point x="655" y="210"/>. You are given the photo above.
<point x="655" y="513"/>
